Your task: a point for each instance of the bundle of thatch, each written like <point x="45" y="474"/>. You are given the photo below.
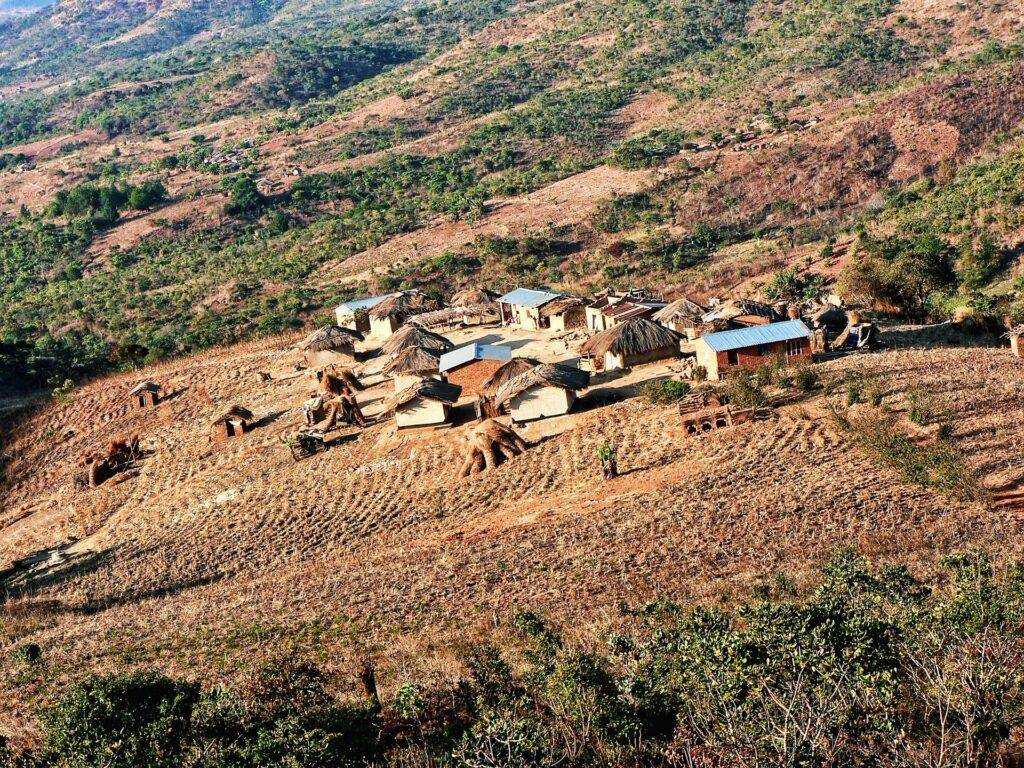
<point x="416" y="361"/>
<point x="331" y="338"/>
<point x="234" y="413"/>
<point x="410" y="336"/>
<point x="547" y="375"/>
<point x="680" y="310"/>
<point x="630" y="339"/>
<point x="507" y="372"/>
<point x="431" y="389"/>
<point x="402" y="305"/>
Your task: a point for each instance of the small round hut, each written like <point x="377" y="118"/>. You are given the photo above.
<point x="330" y="345"/>
<point x="412" y="365"/>
<point x="412" y="336"/>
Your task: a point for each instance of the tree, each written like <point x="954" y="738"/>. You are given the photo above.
<point x="246" y="198"/>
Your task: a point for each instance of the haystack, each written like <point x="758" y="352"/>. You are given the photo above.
<point x="632" y="343"/>
<point x="412" y="336"/>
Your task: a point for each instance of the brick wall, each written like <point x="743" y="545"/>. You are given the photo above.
<point x="472" y="376"/>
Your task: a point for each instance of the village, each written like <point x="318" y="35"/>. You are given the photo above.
<point x="505" y="363"/>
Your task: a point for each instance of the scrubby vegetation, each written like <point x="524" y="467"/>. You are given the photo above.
<point x="866" y="667"/>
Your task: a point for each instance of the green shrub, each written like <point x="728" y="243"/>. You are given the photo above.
<point x="744" y="392"/>
<point x="121" y="721"/>
<point x="665" y="391"/>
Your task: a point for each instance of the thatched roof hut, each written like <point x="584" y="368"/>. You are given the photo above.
<point x="413" y="361"/>
<point x="546" y="375"/>
<point x="631" y="339"/>
<point x="402" y="305"/>
<point x="410" y="336"/>
<point x="451" y="316"/>
<point x="331" y="338"/>
<point x="145" y="395"/>
<point x="430" y="389"/>
<point x="473" y="297"/>
<point x="507" y="372"/>
<point x="680" y="310"/>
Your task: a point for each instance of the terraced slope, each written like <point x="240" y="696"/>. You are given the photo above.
<point x="379" y="538"/>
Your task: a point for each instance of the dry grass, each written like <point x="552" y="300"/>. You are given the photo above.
<point x="213" y="555"/>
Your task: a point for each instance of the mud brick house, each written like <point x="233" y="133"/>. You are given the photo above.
<point x="472" y="365"/>
<point x="354" y="314"/>
<point x="146" y="395"/>
<point x="234" y="422"/>
<point x="543" y="391"/>
<point x="748" y="348"/>
<point x="427" y="403"/>
<point x="522" y="307"/>
<point x="635" y="342"/>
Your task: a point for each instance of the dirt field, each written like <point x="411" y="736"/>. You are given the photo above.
<point x="213" y="553"/>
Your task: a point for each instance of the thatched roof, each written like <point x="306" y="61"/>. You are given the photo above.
<point x="431" y="389"/>
<point x="547" y="375"/>
<point x="234" y="413"/>
<point x="680" y="309"/>
<point x="413" y="360"/>
<point x="146" y="386"/>
<point x="472" y="297"/>
<point x="413" y="336"/>
<point x="402" y="305"/>
<point x="455" y="315"/>
<point x="330" y="338"/>
<point x="560" y="306"/>
<point x="509" y="371"/>
<point x="634" y="337"/>
<point x="737" y="308"/>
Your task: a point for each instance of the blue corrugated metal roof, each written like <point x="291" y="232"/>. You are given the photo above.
<point x="527" y="297"/>
<point x="756" y="335"/>
<point x="474" y="351"/>
<point x="370" y="303"/>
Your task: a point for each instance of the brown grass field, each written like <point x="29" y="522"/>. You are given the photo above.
<point x="214" y="554"/>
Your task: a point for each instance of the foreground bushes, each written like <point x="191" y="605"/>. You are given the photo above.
<point x="869" y="668"/>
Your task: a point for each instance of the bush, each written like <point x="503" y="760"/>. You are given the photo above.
<point x="665" y="391"/>
<point x="121" y="721"/>
<point x="744" y="392"/>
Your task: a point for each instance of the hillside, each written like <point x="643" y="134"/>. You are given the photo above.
<point x="213" y="552"/>
<point x="302" y="154"/>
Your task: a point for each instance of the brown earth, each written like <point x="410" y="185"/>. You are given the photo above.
<point x="378" y="538"/>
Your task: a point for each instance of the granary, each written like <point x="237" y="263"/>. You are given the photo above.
<point x="564" y="314"/>
<point x="412" y="365"/>
<point x="234" y="422"/>
<point x="145" y="395"/>
<point x="331" y="345"/>
<point x="392" y="313"/>
<point x="522" y="307"/>
<point x="470" y="366"/>
<point x="544" y="391"/>
<point x="354" y="314"/>
<point x="682" y="316"/>
<point x="748" y="348"/>
<point x="427" y="403"/>
<point x="634" y="342"/>
<point x="411" y="336"/>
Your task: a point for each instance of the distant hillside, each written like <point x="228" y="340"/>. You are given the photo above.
<point x="19" y="7"/>
<point x="310" y="152"/>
